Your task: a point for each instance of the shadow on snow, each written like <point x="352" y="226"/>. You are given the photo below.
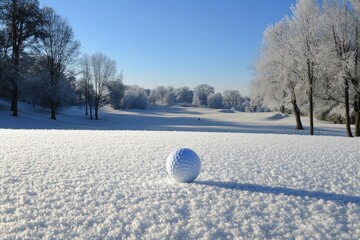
<point x="282" y="190"/>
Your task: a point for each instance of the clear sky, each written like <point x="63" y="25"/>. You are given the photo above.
<point x="175" y="42"/>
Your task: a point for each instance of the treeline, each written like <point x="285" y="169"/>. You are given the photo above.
<point x="121" y="96"/>
<point x="37" y="54"/>
<point x="41" y="63"/>
<point x="309" y="64"/>
<point x="202" y="95"/>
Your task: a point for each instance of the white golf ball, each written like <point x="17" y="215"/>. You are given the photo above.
<point x="183" y="165"/>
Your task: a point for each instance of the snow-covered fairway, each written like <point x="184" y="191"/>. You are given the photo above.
<point x="113" y="184"/>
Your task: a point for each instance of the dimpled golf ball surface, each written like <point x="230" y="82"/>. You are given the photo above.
<point x="183" y="165"/>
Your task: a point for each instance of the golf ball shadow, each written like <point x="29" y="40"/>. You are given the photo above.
<point x="183" y="165"/>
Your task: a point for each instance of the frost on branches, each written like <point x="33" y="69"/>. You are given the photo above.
<point x="308" y="63"/>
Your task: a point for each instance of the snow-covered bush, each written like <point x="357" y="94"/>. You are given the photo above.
<point x="134" y="98"/>
<point x="215" y="101"/>
<point x="170" y="98"/>
<point x="196" y="101"/>
<point x="154" y="96"/>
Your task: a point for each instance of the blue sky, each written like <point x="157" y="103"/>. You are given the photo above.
<point x="175" y="42"/>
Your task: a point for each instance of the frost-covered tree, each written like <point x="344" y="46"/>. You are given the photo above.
<point x="5" y="66"/>
<point x="184" y="95"/>
<point x="22" y="21"/>
<point x="154" y="96"/>
<point x="314" y="52"/>
<point x="232" y="98"/>
<point x="215" y="101"/>
<point x="39" y="90"/>
<point x="341" y="40"/>
<point x="255" y="93"/>
<point x="278" y="76"/>
<point x="196" y="101"/>
<point x="86" y="76"/>
<point x="170" y="98"/>
<point x="356" y="7"/>
<point x="342" y="29"/>
<point x="292" y="60"/>
<point x="116" y="91"/>
<point x="104" y="70"/>
<point x="58" y="49"/>
<point x="202" y="92"/>
<point x="158" y="94"/>
<point x="128" y="101"/>
<point x="355" y="80"/>
<point x="134" y="98"/>
<point x="161" y="91"/>
<point x="305" y="28"/>
<point x="246" y="106"/>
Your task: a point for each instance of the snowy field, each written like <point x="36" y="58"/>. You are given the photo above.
<point x="160" y="118"/>
<point x="63" y="184"/>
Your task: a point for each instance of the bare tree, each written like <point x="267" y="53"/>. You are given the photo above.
<point x="104" y="71"/>
<point x="59" y="48"/>
<point x="4" y="60"/>
<point x="85" y="66"/>
<point x="23" y="23"/>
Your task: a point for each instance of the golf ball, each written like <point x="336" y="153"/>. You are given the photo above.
<point x="183" y="165"/>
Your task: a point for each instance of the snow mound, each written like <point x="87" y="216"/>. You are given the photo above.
<point x="278" y="116"/>
<point x="113" y="185"/>
<point x="226" y="111"/>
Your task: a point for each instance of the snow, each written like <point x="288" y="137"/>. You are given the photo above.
<point x="160" y="118"/>
<point x="113" y="184"/>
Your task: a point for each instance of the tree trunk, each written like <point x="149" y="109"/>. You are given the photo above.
<point x="96" y="107"/>
<point x="14" y="102"/>
<point x="357" y="119"/>
<point x="86" y="105"/>
<point x="347" y="109"/>
<point x="357" y="124"/>
<point x="299" y="125"/>
<point x="96" y="113"/>
<point x="282" y="109"/>
<point x="311" y="110"/>
<point x="356" y="83"/>
<point x="53" y="110"/>
<point x="357" y="115"/>
<point x="311" y="103"/>
<point x="16" y="60"/>
<point x="80" y="100"/>
<point x="90" y="111"/>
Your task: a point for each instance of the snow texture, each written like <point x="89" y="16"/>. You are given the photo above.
<point x="60" y="184"/>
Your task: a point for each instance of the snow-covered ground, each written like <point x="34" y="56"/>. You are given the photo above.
<point x="63" y="184"/>
<point x="164" y="119"/>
